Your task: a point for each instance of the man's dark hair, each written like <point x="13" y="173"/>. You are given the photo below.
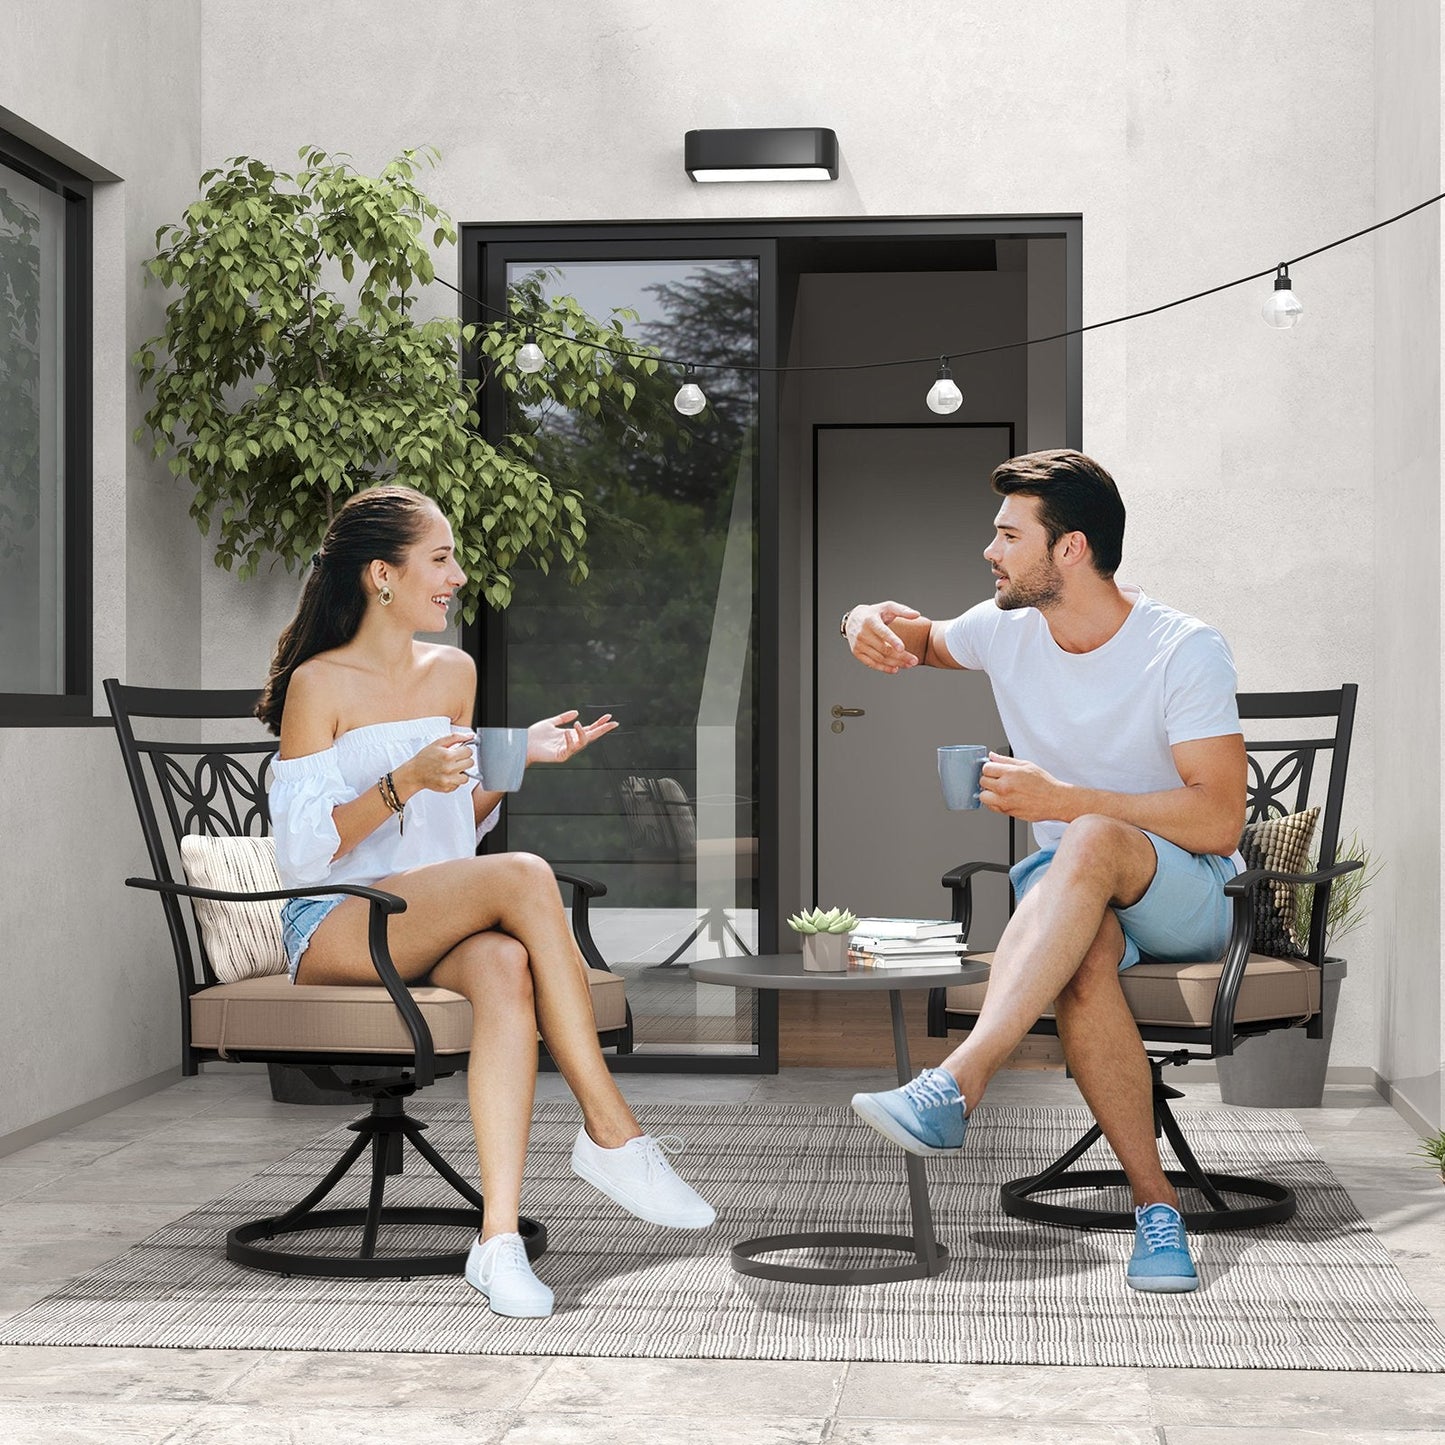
<point x="1076" y="495"/>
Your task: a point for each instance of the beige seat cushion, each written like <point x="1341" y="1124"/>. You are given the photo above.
<point x="274" y="1013"/>
<point x="1181" y="995"/>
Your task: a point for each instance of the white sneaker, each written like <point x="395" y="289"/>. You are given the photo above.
<point x="638" y="1177"/>
<point x="501" y="1270"/>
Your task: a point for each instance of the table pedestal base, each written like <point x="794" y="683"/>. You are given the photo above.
<point x="929" y="1256"/>
<point x="919" y="1267"/>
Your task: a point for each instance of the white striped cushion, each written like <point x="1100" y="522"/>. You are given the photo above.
<point x="243" y="940"/>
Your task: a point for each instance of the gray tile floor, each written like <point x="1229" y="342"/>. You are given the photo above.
<point x="78" y="1199"/>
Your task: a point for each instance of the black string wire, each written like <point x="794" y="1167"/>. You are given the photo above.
<point x="933" y="357"/>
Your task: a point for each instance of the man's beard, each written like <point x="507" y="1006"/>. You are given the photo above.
<point x="1042" y="588"/>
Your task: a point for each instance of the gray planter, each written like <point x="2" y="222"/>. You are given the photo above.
<point x="1284" y="1069"/>
<point x="825" y="952"/>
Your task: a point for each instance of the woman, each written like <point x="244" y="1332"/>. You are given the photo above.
<point x="374" y="784"/>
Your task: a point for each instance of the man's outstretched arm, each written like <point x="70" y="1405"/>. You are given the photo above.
<point x="889" y="637"/>
<point x="1205" y="815"/>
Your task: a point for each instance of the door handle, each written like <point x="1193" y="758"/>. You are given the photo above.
<point x="847" y="711"/>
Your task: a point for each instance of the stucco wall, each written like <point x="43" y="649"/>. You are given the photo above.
<point x="1196" y="148"/>
<point x="1198" y="143"/>
<point x="1407" y="825"/>
<point x="1246" y="452"/>
<point x="90" y="996"/>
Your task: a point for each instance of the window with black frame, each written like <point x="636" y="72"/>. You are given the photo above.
<point x="44" y="429"/>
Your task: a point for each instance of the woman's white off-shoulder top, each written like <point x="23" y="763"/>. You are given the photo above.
<point x="303" y="791"/>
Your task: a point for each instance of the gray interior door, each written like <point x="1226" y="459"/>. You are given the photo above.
<point x="903" y="513"/>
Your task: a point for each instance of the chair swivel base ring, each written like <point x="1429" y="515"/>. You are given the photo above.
<point x="919" y="1267"/>
<point x="1018" y="1199"/>
<point x="241" y="1249"/>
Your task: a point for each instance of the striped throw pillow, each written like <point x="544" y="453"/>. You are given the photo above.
<point x="1281" y="844"/>
<point x="242" y="940"/>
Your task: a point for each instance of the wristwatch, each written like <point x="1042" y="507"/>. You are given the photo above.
<point x="843" y="625"/>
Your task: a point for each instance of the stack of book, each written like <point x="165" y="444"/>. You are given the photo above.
<point x="907" y="943"/>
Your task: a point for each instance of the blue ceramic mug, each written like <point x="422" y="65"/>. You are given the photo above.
<point x="960" y="769"/>
<point x="502" y="758"/>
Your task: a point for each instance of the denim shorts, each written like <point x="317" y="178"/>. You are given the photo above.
<point x="300" y="917"/>
<point x="1183" y="916"/>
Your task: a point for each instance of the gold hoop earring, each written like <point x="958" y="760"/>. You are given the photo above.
<point x="385" y="595"/>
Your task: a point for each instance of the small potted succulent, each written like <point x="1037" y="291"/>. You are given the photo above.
<point x="1433" y="1150"/>
<point x="825" y="938"/>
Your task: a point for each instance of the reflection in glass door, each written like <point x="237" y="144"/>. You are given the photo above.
<point x="662" y="635"/>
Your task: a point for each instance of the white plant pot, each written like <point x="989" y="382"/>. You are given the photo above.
<point x="825" y="952"/>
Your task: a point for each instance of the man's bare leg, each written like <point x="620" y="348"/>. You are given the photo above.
<point x="1106" y="1057"/>
<point x="1063" y="928"/>
<point x="1099" y="862"/>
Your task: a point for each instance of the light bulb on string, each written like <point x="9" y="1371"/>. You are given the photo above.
<point x="689" y="399"/>
<point x="944" y="396"/>
<point x="530" y="357"/>
<point x="1283" y="308"/>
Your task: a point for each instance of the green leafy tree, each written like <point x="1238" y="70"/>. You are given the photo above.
<point x="277" y="398"/>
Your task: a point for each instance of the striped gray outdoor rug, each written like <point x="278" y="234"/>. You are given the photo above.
<point x="1317" y="1293"/>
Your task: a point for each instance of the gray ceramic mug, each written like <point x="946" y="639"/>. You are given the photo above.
<point x="960" y="769"/>
<point x="501" y="758"/>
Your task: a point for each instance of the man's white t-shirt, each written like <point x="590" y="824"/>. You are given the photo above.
<point x="1107" y="718"/>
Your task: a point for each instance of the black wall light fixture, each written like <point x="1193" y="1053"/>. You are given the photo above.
<point x="802" y="153"/>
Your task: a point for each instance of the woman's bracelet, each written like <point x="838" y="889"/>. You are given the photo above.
<point x="387" y="788"/>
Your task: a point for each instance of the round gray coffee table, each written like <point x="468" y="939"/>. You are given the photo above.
<point x="785" y="970"/>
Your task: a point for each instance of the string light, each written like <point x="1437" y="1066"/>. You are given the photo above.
<point x="689" y="399"/>
<point x="1283" y="308"/>
<point x="530" y="358"/>
<point x="944" y="396"/>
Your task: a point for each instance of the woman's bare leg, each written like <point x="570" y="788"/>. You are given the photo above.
<point x="447" y="902"/>
<point x="491" y="971"/>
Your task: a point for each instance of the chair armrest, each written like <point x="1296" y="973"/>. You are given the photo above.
<point x="584" y="890"/>
<point x="960" y="881"/>
<point x="382" y="905"/>
<point x="586" y="887"/>
<point x="1245" y="883"/>
<point x="964" y="871"/>
<point x="1241" y="890"/>
<point x="394" y="902"/>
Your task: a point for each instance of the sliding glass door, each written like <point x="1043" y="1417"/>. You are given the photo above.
<point x="663" y="634"/>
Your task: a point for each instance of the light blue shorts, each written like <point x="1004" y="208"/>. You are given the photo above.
<point x="1183" y="916"/>
<point x="300" y="918"/>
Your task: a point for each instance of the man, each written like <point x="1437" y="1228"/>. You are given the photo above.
<point x="1130" y="764"/>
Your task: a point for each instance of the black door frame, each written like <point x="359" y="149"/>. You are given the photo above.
<point x="487" y="248"/>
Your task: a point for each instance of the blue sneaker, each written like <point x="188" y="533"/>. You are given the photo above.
<point x="924" y="1117"/>
<point x="1160" y="1261"/>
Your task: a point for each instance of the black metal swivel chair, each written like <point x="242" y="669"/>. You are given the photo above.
<point x="1200" y="1011"/>
<point x="380" y="1044"/>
